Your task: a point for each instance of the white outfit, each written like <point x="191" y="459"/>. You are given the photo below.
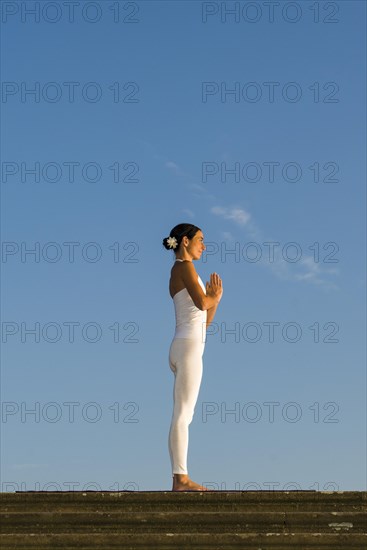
<point x="185" y="361"/>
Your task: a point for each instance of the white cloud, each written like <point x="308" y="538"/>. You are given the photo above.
<point x="197" y="187"/>
<point x="188" y="212"/>
<point x="174" y="167"/>
<point x="170" y="164"/>
<point x="305" y="270"/>
<point x="238" y="215"/>
<point x="227" y="236"/>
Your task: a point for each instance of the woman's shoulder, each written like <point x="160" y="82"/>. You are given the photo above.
<point x="185" y="264"/>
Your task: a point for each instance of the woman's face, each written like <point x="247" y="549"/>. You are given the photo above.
<point x="196" y="245"/>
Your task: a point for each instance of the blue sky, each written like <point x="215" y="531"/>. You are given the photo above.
<point x="175" y="133"/>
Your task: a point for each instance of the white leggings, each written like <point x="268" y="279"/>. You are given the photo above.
<point x="186" y="362"/>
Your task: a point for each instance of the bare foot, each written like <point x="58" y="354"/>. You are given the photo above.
<point x="187" y="485"/>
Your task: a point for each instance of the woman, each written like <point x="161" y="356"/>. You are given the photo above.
<point x="195" y="307"/>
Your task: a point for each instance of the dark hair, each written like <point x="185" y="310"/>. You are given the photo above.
<point x="179" y="231"/>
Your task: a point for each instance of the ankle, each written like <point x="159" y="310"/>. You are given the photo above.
<point x="180" y="477"/>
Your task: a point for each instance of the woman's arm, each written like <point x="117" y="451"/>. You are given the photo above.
<point x="216" y="284"/>
<point x="210" y="314"/>
<point x="190" y="278"/>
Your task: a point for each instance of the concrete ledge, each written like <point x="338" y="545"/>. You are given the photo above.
<point x="253" y="541"/>
<point x="232" y="500"/>
<point x="255" y="520"/>
<point x="181" y="522"/>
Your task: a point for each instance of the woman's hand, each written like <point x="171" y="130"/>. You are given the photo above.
<point x="215" y="287"/>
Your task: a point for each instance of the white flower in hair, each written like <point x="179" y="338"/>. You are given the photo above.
<point x="172" y="242"/>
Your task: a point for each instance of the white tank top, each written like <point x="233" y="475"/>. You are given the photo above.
<point x="190" y="320"/>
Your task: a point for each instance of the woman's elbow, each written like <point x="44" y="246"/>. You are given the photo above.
<point x="202" y="305"/>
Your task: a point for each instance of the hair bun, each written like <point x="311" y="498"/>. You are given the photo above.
<point x="165" y="243"/>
